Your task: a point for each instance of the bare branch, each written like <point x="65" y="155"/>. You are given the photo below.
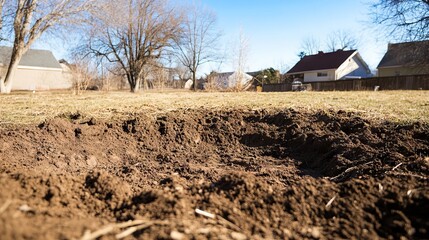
<point x="341" y="40"/>
<point x="310" y="45"/>
<point x="132" y="34"/>
<point x="403" y="20"/>
<point x="197" y="44"/>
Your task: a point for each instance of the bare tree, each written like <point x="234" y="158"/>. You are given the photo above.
<point x="337" y="40"/>
<point x="198" y="42"/>
<point x="32" y="18"/>
<point x="240" y="60"/>
<point x="310" y="45"/>
<point x="83" y="72"/>
<point x="405" y="19"/>
<point x="341" y="40"/>
<point x="283" y="68"/>
<point x="132" y="34"/>
<point x="183" y="74"/>
<point x="157" y="75"/>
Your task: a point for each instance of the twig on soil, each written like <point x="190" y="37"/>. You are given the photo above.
<point x="230" y="224"/>
<point x="221" y="219"/>
<point x="132" y="230"/>
<point x="330" y="202"/>
<point x="130" y="223"/>
<point x="101" y="232"/>
<point x="348" y="170"/>
<point x="394" y="168"/>
<point x="5" y="206"/>
<point x="132" y="226"/>
<point x="204" y="213"/>
<point x="407" y="175"/>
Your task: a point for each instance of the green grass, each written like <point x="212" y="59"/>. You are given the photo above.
<point x="29" y="108"/>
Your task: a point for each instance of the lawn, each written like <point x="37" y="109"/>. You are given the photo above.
<point x="33" y="108"/>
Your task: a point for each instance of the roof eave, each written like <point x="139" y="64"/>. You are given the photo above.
<point x="40" y="68"/>
<point x="363" y="61"/>
<point x="317" y="70"/>
<point x="403" y="66"/>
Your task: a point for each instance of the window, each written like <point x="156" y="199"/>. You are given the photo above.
<point x="322" y="74"/>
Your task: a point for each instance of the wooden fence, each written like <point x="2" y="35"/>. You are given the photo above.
<point x="413" y="82"/>
<point x="277" y="87"/>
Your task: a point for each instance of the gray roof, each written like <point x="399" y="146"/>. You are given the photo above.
<point x="406" y="54"/>
<point x="33" y="58"/>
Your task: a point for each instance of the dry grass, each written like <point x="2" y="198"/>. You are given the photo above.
<point x="29" y="108"/>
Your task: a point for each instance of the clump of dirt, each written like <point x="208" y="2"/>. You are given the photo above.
<point x="107" y="189"/>
<point x="262" y="174"/>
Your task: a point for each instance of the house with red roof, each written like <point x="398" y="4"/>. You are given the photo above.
<point x="330" y="66"/>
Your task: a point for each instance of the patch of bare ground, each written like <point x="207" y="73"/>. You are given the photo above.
<point x="199" y="174"/>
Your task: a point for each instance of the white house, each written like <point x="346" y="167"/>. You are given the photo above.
<point x="189" y="84"/>
<point x="330" y="66"/>
<point x="230" y="80"/>
<point x="37" y="70"/>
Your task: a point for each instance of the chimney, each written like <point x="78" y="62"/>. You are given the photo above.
<point x="320" y="52"/>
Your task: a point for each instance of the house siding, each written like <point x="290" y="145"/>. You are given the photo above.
<point x="312" y="76"/>
<point x="401" y="71"/>
<point x="232" y="81"/>
<point x="352" y="67"/>
<point x="38" y="79"/>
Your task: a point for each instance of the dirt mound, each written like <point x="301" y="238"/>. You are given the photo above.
<point x="262" y="174"/>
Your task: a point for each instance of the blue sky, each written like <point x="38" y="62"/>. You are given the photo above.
<point x="276" y="28"/>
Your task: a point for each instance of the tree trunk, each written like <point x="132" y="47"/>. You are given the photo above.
<point x="6" y="84"/>
<point x="136" y="86"/>
<point x="195" y="80"/>
<point x="5" y="88"/>
<point x="145" y="84"/>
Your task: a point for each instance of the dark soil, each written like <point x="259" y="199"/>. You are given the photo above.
<point x="264" y="175"/>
